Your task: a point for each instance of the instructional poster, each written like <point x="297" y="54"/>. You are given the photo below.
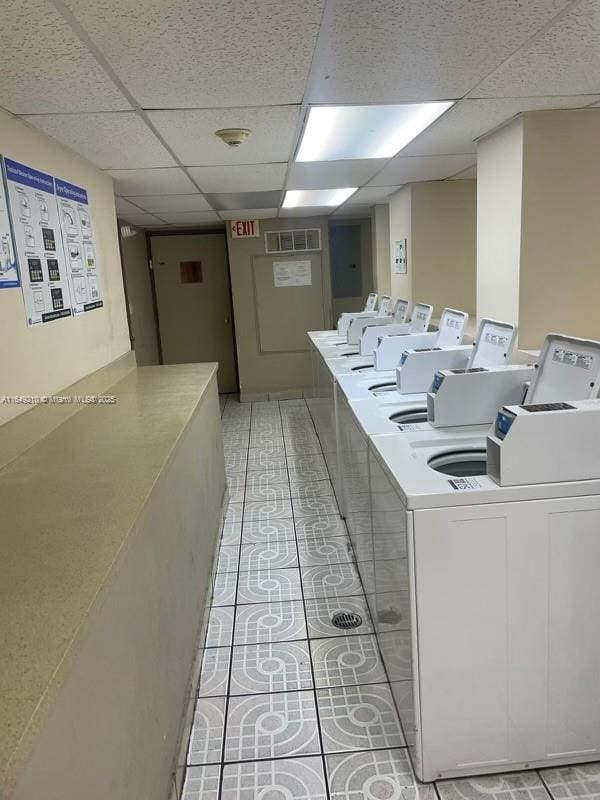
<point x="292" y="273"/>
<point x="79" y="247"/>
<point x="9" y="270"/>
<point x="36" y="227"/>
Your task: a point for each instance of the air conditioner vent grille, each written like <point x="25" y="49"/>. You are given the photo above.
<point x="298" y="240"/>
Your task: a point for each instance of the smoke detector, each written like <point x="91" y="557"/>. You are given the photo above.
<point x="233" y="136"/>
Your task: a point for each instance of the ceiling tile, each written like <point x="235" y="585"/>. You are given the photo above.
<point x="410" y="169"/>
<point x="371" y="195"/>
<point x="465" y="175"/>
<point x="125" y="207"/>
<point x="110" y="141"/>
<point x="353" y="211"/>
<point x="389" y="51"/>
<point x="332" y="174"/>
<point x="174" y="54"/>
<point x="46" y="69"/>
<point x="457" y="130"/>
<point x="140" y="219"/>
<point x="130" y="182"/>
<point x="240" y="178"/>
<point x="190" y="218"/>
<point x="249" y="213"/>
<point x="305" y="211"/>
<point x="236" y="200"/>
<point x="564" y="60"/>
<point x="191" y="134"/>
<point x="171" y="202"/>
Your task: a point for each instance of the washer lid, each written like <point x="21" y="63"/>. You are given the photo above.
<point x="420" y="318"/>
<point x="494" y="344"/>
<point x="401" y="311"/>
<point x="451" y="328"/>
<point x="568" y="369"/>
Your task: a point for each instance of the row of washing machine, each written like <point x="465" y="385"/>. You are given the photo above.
<point x="469" y="478"/>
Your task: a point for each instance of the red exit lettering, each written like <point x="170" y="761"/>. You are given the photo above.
<point x="244" y="227"/>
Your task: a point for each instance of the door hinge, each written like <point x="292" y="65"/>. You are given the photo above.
<point x="150" y="264"/>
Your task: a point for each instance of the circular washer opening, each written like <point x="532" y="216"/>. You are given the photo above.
<point x="461" y="463"/>
<point x="410" y="415"/>
<point x="363" y="368"/>
<point x="381" y="388"/>
<point x="346" y="620"/>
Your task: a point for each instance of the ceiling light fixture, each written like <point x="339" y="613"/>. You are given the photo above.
<point x="334" y="133"/>
<point x="316" y="197"/>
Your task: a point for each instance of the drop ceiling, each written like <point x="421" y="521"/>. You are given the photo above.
<point x="138" y="88"/>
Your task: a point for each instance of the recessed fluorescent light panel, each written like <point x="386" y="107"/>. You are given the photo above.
<point x="334" y="133"/>
<point x="316" y="197"/>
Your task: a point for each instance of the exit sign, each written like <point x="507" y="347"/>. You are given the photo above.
<point x="241" y="228"/>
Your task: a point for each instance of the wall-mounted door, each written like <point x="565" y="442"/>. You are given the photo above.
<point x="193" y="299"/>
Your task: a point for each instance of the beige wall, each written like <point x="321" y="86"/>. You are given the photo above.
<point x="400" y="228"/>
<point x="42" y="360"/>
<point x="270" y="374"/>
<point x="341" y="304"/>
<point x="381" y="259"/>
<point x="560" y="239"/>
<point x="499" y="176"/>
<point x="139" y="298"/>
<point x="443" y="244"/>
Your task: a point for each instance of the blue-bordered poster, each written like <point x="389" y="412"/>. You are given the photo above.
<point x="9" y="268"/>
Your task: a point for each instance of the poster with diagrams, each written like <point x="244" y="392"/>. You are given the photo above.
<point x="9" y="269"/>
<point x="37" y="236"/>
<point x="79" y="246"/>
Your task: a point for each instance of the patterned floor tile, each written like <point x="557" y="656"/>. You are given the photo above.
<point x="267" y="509"/>
<point x="266" y="530"/>
<point x="358" y="718"/>
<point x="307" y="461"/>
<point x="306" y="448"/>
<point x="311" y="506"/>
<point x="232" y="533"/>
<point x="298" y="472"/>
<point x="270" y="622"/>
<point x="512" y="786"/>
<point x="297" y="778"/>
<point x="220" y="627"/>
<point x="202" y="783"/>
<point x="308" y="489"/>
<point x="319" y="527"/>
<point x="259" y="459"/>
<point x="276" y="491"/>
<point x="273" y="586"/>
<point x="236" y="486"/>
<point x="377" y="775"/>
<point x="256" y="479"/>
<point x="229" y="556"/>
<point x="236" y="461"/>
<point x="234" y="513"/>
<point x="266" y="444"/>
<point x="333" y="580"/>
<point x="271" y="725"/>
<point x="271" y="667"/>
<point x="313" y="552"/>
<point x="214" y="675"/>
<point x="319" y="614"/>
<point x="581" y="781"/>
<point x="206" y="740"/>
<point x="346" y="660"/>
<point x="269" y="555"/>
<point x="224" y="589"/>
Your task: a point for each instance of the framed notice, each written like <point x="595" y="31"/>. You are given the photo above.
<point x="292" y="273"/>
<point x="400" y="258"/>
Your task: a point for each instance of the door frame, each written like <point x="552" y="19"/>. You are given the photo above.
<point x="190" y="232"/>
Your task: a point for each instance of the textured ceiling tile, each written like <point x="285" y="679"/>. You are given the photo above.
<point x="125" y="207"/>
<point x="332" y="174"/>
<point x="171" y="202"/>
<point x="140" y="218"/>
<point x="565" y="60"/>
<point x="421" y="168"/>
<point x="182" y="53"/>
<point x="130" y="182"/>
<point x="235" y="200"/>
<point x="191" y="134"/>
<point x="457" y="129"/>
<point x="110" y="141"/>
<point x="308" y="211"/>
<point x="190" y="218"/>
<point x="249" y="213"/>
<point x="371" y="194"/>
<point x="44" y="66"/>
<point x="240" y="178"/>
<point x="349" y="211"/>
<point x="385" y="50"/>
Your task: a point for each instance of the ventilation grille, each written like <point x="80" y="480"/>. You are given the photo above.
<point x="295" y="241"/>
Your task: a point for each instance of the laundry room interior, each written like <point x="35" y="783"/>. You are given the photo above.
<point x="300" y="400"/>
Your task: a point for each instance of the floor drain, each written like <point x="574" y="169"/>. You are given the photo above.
<point x="346" y="620"/>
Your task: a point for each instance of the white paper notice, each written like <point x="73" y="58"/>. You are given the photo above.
<point x="34" y="213"/>
<point x="9" y="271"/>
<point x="292" y="273"/>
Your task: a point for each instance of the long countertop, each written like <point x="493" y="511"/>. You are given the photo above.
<point x="68" y="505"/>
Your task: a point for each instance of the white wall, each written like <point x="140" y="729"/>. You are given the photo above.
<point x="400" y="228"/>
<point x="499" y="188"/>
<point x="380" y="240"/>
<point x="45" y="359"/>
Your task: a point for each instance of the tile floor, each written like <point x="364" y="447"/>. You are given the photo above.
<point x="288" y="706"/>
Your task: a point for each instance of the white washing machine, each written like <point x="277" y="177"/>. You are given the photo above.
<point x="486" y="588"/>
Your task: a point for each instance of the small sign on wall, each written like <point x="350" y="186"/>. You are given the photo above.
<point x="400" y="257"/>
<point x="292" y="273"/>
<point x="244" y="228"/>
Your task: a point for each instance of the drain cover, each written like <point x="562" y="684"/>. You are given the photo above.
<point x="346" y="620"/>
